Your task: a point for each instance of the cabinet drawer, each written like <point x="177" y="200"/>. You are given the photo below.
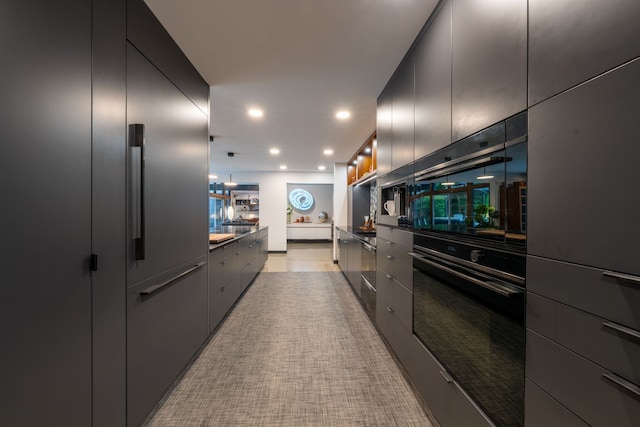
<point x="585" y="288"/>
<point x="585" y="388"/>
<point x="394" y="299"/>
<point x="395" y="260"/>
<point x="222" y="253"/>
<point x="610" y="345"/>
<point x="395" y="235"/>
<point x="541" y="410"/>
<point x="222" y="271"/>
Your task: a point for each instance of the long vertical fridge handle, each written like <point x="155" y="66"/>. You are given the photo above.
<point x="136" y="138"/>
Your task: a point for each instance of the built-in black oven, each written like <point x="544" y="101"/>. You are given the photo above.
<point x="468" y="208"/>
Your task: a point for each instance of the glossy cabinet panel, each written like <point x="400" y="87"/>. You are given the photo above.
<point x="384" y="127"/>
<point x="489" y="76"/>
<point x="433" y="86"/>
<point x="394" y="299"/>
<point x="579" y="143"/>
<point x="403" y="114"/>
<point x="571" y="41"/>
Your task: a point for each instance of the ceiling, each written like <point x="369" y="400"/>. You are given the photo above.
<point x="300" y="61"/>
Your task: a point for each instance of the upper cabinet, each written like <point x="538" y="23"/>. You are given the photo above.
<point x="384" y="128"/>
<point x="489" y="76"/>
<point x="433" y="86"/>
<point x="596" y="36"/>
<point x="363" y="165"/>
<point x="403" y="114"/>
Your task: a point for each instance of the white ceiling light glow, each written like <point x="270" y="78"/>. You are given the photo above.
<point x="255" y="112"/>
<point x="321" y="168"/>
<point x="213" y="176"/>
<point x="328" y="152"/>
<point x="274" y="151"/>
<point x="283" y="167"/>
<point x="343" y="115"/>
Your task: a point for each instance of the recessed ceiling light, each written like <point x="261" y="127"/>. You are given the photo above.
<point x="283" y="167"/>
<point x="274" y="151"/>
<point x="255" y="112"/>
<point x="321" y="168"/>
<point x="328" y="152"/>
<point x="213" y="176"/>
<point x="343" y="115"/>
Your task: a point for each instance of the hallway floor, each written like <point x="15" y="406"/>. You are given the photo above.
<point x="297" y="350"/>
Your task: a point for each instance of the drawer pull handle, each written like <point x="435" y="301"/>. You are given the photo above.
<point x="621" y="276"/>
<point x="389" y="309"/>
<point x="389" y="243"/>
<point x="155" y="288"/>
<point x="627" y="331"/>
<point x="389" y="256"/>
<point x="629" y="386"/>
<point x="389" y="276"/>
<point x="446" y="377"/>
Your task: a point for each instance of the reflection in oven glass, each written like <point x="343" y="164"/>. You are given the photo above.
<point x="482" y="348"/>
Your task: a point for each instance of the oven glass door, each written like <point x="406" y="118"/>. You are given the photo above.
<point x="475" y="328"/>
<point x="485" y="198"/>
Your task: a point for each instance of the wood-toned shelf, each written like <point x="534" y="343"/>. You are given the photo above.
<point x="364" y="163"/>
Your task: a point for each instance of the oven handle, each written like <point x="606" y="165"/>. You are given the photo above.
<point x="494" y="287"/>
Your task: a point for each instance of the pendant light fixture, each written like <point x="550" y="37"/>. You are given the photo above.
<point x="230" y="183"/>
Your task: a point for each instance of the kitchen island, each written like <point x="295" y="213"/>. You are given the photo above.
<point x="233" y="264"/>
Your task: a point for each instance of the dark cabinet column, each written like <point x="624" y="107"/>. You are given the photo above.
<point x="45" y="129"/>
<point x="403" y="114"/>
<point x="108" y="206"/>
<point x="433" y="86"/>
<point x="384" y="129"/>
<point x="489" y="79"/>
<point x="571" y="41"/>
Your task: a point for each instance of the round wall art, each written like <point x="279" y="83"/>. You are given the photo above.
<point x="300" y="199"/>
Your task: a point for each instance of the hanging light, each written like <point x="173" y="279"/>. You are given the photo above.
<point x="484" y="175"/>
<point x="230" y="183"/>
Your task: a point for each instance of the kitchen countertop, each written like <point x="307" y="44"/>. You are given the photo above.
<point x="237" y="230"/>
<point x="366" y="236"/>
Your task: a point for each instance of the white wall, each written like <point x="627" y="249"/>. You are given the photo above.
<point x="273" y="198"/>
<point x="340" y="217"/>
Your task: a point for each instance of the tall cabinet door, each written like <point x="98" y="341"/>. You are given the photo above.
<point x="489" y="76"/>
<point x="171" y="203"/>
<point x="167" y="303"/>
<point x="45" y="129"/>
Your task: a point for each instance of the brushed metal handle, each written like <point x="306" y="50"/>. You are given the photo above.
<point x="389" y="276"/>
<point x="155" y="288"/>
<point x="629" y="386"/>
<point x="136" y="139"/>
<point x="494" y="287"/>
<point x="623" y="329"/>
<point x="621" y="276"/>
<point x="388" y="242"/>
<point x="389" y="309"/>
<point x="446" y="376"/>
<point x="389" y="257"/>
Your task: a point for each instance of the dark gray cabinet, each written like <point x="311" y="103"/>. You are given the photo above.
<point x="222" y="270"/>
<point x="433" y="85"/>
<point x="579" y="143"/>
<point x="571" y="41"/>
<point x="355" y="264"/>
<point x="169" y="185"/>
<point x="384" y="125"/>
<point x="593" y="393"/>
<point x="403" y="114"/>
<point x="489" y="60"/>
<point x="45" y="127"/>
<point x="544" y="411"/>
